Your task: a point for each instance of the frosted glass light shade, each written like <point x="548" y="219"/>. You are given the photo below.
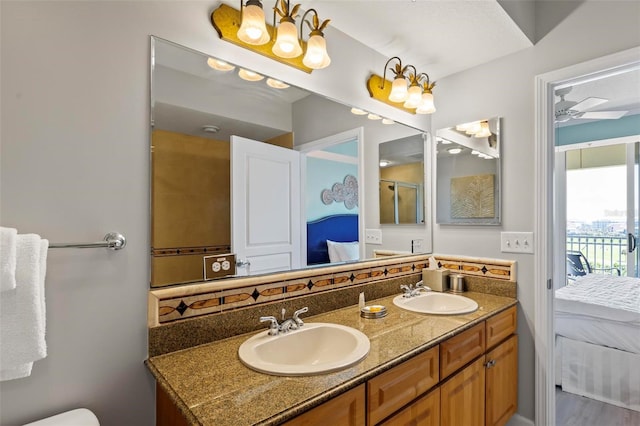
<point x="287" y="44"/>
<point x="484" y="130"/>
<point x="249" y="75"/>
<point x="219" y="65"/>
<point x="414" y="97"/>
<point x="399" y="92"/>
<point x="253" y="29"/>
<point x="426" y="105"/>
<point x="316" y="57"/>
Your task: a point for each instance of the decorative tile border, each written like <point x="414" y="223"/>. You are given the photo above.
<point x="189" y="301"/>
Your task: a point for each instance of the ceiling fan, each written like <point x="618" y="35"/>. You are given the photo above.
<point x="567" y="110"/>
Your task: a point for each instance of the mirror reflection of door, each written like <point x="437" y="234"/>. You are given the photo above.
<point x="401" y="187"/>
<point x="265" y="211"/>
<point x="332" y="200"/>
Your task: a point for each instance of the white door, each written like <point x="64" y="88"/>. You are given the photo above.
<point x="265" y="206"/>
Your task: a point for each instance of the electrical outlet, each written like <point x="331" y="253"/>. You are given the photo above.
<point x="516" y="242"/>
<point x="373" y="236"/>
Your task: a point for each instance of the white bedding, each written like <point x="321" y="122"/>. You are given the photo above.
<point x="601" y="296"/>
<point x="614" y="334"/>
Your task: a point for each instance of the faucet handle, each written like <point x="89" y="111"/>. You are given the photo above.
<point x="406" y="290"/>
<point x="273" y="327"/>
<point x="297" y="313"/>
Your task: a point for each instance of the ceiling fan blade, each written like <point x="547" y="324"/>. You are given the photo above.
<point x="588" y="103"/>
<point x="602" y="115"/>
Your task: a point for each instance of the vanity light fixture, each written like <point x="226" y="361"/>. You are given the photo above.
<point x="387" y="121"/>
<point x="253" y="29"/>
<point x="358" y="111"/>
<point x="249" y="75"/>
<point x="410" y="91"/>
<point x="281" y="41"/>
<point x="372" y="116"/>
<point x="219" y="65"/>
<point x="287" y="44"/>
<point x="454" y="150"/>
<point x="276" y="84"/>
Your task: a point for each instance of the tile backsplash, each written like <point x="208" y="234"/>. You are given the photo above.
<point x="217" y="297"/>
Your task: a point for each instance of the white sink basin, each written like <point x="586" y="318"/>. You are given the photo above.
<point x="436" y="303"/>
<point x="314" y="348"/>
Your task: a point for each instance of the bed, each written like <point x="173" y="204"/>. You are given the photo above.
<point x="597" y="325"/>
<point x="339" y="228"/>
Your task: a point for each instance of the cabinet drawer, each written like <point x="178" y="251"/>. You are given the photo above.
<point x="424" y="412"/>
<point x="501" y="326"/>
<point x="395" y="388"/>
<point x="347" y="409"/>
<point x="461" y="349"/>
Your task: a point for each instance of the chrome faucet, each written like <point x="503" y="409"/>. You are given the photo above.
<point x="288" y="324"/>
<point x="411" y="291"/>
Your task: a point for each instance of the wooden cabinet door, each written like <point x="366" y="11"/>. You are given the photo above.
<point x="424" y="412"/>
<point x="347" y="409"/>
<point x="502" y="382"/>
<point x="397" y="387"/>
<point x="462" y="397"/>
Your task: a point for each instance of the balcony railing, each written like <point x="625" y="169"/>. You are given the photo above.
<point x="603" y="252"/>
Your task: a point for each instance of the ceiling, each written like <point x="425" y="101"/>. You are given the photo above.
<point x="439" y="38"/>
<point x="621" y="90"/>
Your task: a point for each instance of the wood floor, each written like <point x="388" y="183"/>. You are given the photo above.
<point x="575" y="410"/>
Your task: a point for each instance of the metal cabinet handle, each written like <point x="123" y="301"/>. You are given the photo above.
<point x="490" y="363"/>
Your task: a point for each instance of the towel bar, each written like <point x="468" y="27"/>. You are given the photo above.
<point x="112" y="240"/>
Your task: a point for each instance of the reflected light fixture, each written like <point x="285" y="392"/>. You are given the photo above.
<point x="410" y="91"/>
<point x="249" y="75"/>
<point x="387" y="121"/>
<point x="276" y="84"/>
<point x="454" y="150"/>
<point x="476" y="129"/>
<point x="372" y="116"/>
<point x="281" y="41"/>
<point x="219" y="65"/>
<point x="484" y="130"/>
<point x="358" y="111"/>
<point x="384" y="163"/>
<point x="253" y="29"/>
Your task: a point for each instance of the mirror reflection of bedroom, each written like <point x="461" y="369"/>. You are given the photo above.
<point x="597" y="304"/>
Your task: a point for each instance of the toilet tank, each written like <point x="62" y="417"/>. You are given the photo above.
<point x="77" y="417"/>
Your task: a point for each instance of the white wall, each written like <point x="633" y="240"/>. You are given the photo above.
<point x="75" y="165"/>
<point x="506" y="88"/>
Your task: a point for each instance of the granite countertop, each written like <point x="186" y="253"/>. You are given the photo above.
<point x="211" y="386"/>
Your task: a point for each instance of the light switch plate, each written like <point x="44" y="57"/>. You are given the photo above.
<point x="516" y="242"/>
<point x="373" y="236"/>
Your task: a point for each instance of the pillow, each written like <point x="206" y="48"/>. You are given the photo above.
<point x="343" y="252"/>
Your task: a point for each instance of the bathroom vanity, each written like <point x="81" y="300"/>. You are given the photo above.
<point x="429" y="369"/>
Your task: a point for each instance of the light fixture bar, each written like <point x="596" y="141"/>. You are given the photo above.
<point x="226" y="20"/>
<point x="379" y="90"/>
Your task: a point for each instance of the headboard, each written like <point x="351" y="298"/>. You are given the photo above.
<point x="340" y="227"/>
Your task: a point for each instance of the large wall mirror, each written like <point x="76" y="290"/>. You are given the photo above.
<point x="402" y="180"/>
<point x="468" y="174"/>
<point x="218" y="131"/>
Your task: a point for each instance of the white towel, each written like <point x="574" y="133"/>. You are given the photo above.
<point x="7" y="258"/>
<point x="23" y="313"/>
